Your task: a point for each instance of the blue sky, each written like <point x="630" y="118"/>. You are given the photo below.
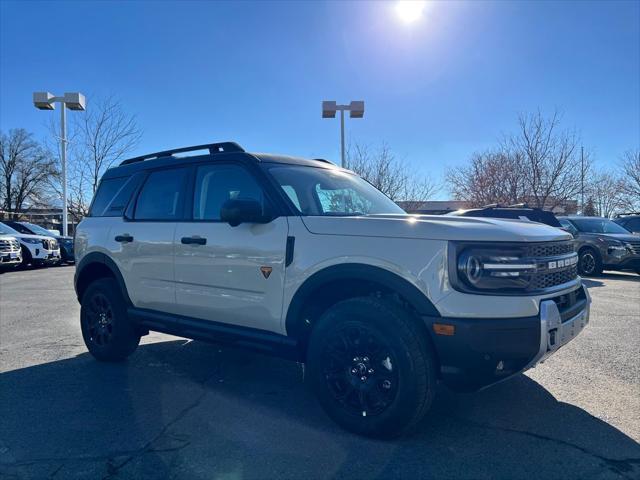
<point x="436" y="90"/>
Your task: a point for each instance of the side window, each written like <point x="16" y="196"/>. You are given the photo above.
<point x="215" y="184"/>
<point x="162" y="195"/>
<point x="121" y="199"/>
<point x="106" y="191"/>
<point x="568" y="225"/>
<point x="633" y="225"/>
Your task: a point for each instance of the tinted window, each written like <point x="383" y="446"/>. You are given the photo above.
<point x="633" y="225"/>
<point x="598" y="225"/>
<point x="215" y="184"/>
<point x="162" y="195"/>
<point x="118" y="204"/>
<point x="106" y="191"/>
<point x="19" y="228"/>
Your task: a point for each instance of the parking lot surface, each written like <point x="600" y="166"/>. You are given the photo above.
<point x="182" y="409"/>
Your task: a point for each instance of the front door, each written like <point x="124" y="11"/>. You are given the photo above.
<point x="224" y="273"/>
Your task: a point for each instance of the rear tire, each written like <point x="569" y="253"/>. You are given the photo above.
<point x="371" y="367"/>
<point x="589" y="262"/>
<point x="106" y="329"/>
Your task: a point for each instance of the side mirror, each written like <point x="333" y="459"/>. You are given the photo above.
<point x="237" y="211"/>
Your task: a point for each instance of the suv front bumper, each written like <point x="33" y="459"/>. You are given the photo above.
<point x="482" y="351"/>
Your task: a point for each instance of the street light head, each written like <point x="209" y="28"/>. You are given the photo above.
<point x="356" y="109"/>
<point x="74" y="101"/>
<point x="329" y="109"/>
<point x="43" y="101"/>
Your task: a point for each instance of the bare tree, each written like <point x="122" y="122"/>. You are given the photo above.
<point x="490" y="177"/>
<point x="631" y="180"/>
<point x="390" y="175"/>
<point x="537" y="165"/>
<point x="24" y="169"/>
<point x="549" y="158"/>
<point x="605" y="193"/>
<point x="104" y="135"/>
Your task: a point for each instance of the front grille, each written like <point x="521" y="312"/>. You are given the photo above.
<point x="9" y="246"/>
<point x="549" y="249"/>
<point x="634" y="247"/>
<point x="543" y="281"/>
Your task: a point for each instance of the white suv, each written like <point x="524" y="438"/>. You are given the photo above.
<point x="306" y="260"/>
<point x="36" y="250"/>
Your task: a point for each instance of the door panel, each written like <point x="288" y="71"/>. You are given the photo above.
<point x="228" y="278"/>
<point x="146" y="261"/>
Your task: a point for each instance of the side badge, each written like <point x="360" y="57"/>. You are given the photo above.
<point x="266" y="271"/>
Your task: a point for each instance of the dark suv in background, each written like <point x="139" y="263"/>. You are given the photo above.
<point x="603" y="245"/>
<point x="519" y="211"/>
<point x="66" y="243"/>
<point x="630" y="221"/>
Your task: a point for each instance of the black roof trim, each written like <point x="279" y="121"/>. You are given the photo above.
<point x="222" y="147"/>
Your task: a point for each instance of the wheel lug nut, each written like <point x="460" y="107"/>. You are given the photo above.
<point x="365" y="359"/>
<point x="355" y="359"/>
<point x="370" y="371"/>
<point x="363" y="378"/>
<point x="354" y="370"/>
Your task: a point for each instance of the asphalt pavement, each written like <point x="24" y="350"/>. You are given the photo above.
<point x="183" y="409"/>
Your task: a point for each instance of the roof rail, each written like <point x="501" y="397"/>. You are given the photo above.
<point x="491" y="205"/>
<point x="223" y="147"/>
<point x="323" y="160"/>
<point x="624" y="214"/>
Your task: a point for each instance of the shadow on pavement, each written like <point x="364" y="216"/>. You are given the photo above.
<point x="184" y="409"/>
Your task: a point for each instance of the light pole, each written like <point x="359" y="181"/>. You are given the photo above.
<point x="72" y="101"/>
<point x="329" y="109"/>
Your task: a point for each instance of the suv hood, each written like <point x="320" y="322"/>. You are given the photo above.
<point x="436" y="227"/>
<point x="26" y="235"/>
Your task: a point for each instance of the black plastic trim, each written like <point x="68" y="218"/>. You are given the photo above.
<point x="291" y="243"/>
<point x="355" y="272"/>
<point x="100" y="258"/>
<point x="216" y="332"/>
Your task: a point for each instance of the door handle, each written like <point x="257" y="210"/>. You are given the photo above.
<point x="194" y="240"/>
<point x="126" y="238"/>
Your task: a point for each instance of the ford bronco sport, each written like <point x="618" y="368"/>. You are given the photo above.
<point x="302" y="259"/>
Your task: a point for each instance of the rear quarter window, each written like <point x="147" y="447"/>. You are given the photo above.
<point x="107" y="190"/>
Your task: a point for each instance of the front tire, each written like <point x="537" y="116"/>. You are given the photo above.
<point x="106" y="329"/>
<point x="371" y="367"/>
<point x="589" y="262"/>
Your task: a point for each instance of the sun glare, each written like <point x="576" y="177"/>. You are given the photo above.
<point x="410" y="11"/>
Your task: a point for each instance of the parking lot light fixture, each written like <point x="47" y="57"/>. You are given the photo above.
<point x="72" y="101"/>
<point x="355" y="109"/>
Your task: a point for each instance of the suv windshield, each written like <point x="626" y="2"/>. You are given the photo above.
<point x="328" y="192"/>
<point x="598" y="225"/>
<point x="7" y="230"/>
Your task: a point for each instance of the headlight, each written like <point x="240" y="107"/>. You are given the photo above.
<point x="507" y="269"/>
<point x="31" y="240"/>
<point x="487" y="268"/>
<point x="615" y="247"/>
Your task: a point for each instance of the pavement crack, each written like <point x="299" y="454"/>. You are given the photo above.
<point x="113" y="469"/>
<point x="619" y="466"/>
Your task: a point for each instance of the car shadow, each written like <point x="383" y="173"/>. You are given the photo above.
<point x="191" y="410"/>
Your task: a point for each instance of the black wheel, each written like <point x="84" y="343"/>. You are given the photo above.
<point x="106" y="329"/>
<point x="589" y="262"/>
<point x="371" y="367"/>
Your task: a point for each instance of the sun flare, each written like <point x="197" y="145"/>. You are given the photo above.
<point x="410" y="11"/>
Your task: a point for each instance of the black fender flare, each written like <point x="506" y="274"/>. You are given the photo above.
<point x="104" y="261"/>
<point x="356" y="272"/>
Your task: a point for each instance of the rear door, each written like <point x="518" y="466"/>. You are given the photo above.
<point x="142" y="243"/>
<point x="224" y="273"/>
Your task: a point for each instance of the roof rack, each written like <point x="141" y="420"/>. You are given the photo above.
<point x="323" y="160"/>
<point x="223" y="147"/>
<point x="625" y="214"/>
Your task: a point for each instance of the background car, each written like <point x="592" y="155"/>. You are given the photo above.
<point x="630" y="221"/>
<point x="517" y="212"/>
<point x="36" y="249"/>
<point x="66" y="243"/>
<point x="10" y="253"/>
<point x="603" y="245"/>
